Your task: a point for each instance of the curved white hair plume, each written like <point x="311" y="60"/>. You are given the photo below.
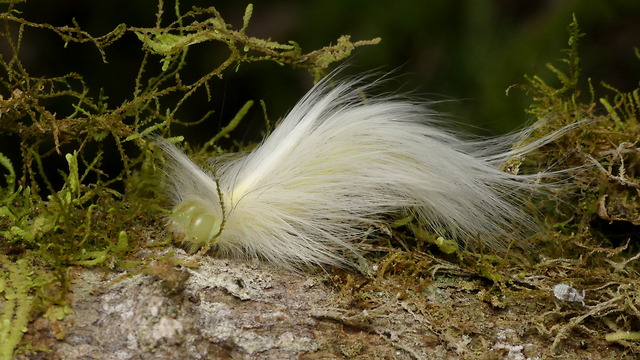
<point x="337" y="164"/>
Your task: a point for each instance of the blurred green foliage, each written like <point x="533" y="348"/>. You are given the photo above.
<point x="468" y="51"/>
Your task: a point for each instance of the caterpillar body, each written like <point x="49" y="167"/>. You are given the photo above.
<point x="339" y="163"/>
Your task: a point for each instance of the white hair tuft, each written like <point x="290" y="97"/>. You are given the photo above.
<point x="338" y="163"/>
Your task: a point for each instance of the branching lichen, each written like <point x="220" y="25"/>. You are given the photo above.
<point x="206" y="24"/>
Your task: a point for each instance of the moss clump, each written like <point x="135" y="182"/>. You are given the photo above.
<point x="16" y="281"/>
<point x="605" y="149"/>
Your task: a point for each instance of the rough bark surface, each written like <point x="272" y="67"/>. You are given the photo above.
<point x="223" y="309"/>
<point x="230" y="309"/>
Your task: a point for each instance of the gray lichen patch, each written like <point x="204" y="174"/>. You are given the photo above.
<point x="227" y="308"/>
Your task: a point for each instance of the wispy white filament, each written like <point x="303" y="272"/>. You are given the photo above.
<point x="338" y="163"/>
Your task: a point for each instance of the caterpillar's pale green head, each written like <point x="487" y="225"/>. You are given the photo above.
<point x="199" y="223"/>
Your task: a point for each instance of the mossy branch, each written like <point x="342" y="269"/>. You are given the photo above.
<point x="175" y="38"/>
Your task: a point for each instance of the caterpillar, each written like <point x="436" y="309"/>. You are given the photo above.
<point x="339" y="163"/>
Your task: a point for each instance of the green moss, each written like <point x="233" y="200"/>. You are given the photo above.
<point x="352" y="350"/>
<point x="16" y="283"/>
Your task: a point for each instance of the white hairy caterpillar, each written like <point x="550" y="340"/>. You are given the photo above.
<point x="338" y="163"/>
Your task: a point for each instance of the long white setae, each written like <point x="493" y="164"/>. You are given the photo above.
<point x="339" y="163"/>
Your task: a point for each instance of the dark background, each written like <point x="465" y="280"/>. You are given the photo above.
<point x="466" y="51"/>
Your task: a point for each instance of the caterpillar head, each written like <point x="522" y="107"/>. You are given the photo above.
<point x="196" y="221"/>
